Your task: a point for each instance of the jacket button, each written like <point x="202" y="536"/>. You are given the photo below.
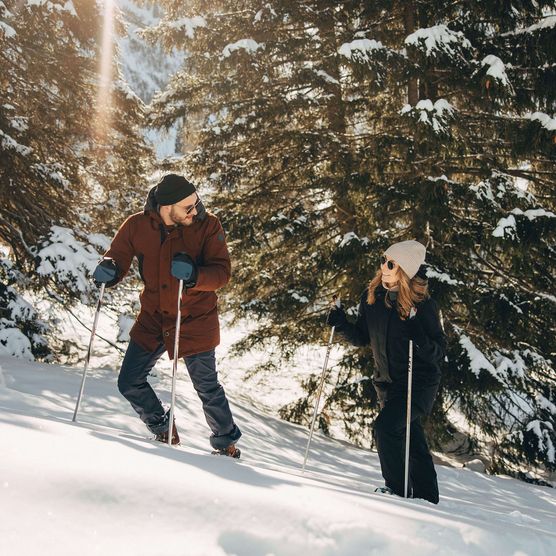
<point x="164" y="286"/>
<point x="166" y="333"/>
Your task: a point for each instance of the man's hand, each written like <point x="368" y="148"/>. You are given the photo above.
<point x="106" y="272"/>
<point x="184" y="268"/>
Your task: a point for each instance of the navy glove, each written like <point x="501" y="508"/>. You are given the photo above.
<point x="184" y="268"/>
<point x="106" y="272"/>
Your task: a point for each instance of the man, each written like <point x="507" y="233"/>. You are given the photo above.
<point x="174" y="226"/>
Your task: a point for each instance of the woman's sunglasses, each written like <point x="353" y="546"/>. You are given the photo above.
<point x="390" y="264"/>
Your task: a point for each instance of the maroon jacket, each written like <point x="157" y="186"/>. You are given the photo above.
<point x="144" y="236"/>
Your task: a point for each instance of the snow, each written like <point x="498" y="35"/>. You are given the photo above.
<point x="532" y="214"/>
<point x="438" y="39"/>
<point x="249" y="45"/>
<point x="327" y="77"/>
<point x="477" y="359"/>
<point x="8" y="31"/>
<point x="544" y="119"/>
<point x="189" y="24"/>
<point x="545" y="403"/>
<point x="546" y="23"/>
<point x="360" y="50"/>
<point x="55" y="6"/>
<point x="51" y="172"/>
<point x="442" y="276"/>
<point x="544" y="440"/>
<point x="99" y="486"/>
<point x="270" y="11"/>
<point x="348" y="237"/>
<point x="506" y="366"/>
<point x="102" y="241"/>
<point x="506" y="226"/>
<point x="298" y="297"/>
<point x="497" y="69"/>
<point x="68" y="259"/>
<point x="19" y="123"/>
<point x="14" y="343"/>
<point x="9" y="143"/>
<point x="436" y="116"/>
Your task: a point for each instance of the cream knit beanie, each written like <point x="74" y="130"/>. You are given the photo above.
<point x="410" y="255"/>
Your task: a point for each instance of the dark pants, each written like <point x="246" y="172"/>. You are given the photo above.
<point x="133" y="385"/>
<point x="389" y="428"/>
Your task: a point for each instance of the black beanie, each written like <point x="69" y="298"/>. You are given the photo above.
<point x="172" y="189"/>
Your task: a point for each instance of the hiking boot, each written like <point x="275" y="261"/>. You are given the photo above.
<point x="231" y="451"/>
<point x="163" y="436"/>
<point x="384" y="490"/>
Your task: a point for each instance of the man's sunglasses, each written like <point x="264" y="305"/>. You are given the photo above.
<point x="384" y="261"/>
<point x="190" y="208"/>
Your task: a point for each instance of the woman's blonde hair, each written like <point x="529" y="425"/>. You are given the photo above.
<point x="411" y="292"/>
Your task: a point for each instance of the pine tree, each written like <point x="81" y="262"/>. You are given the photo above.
<point x="57" y="166"/>
<point x="333" y="129"/>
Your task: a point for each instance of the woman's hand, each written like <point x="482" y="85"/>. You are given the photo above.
<point x="415" y="328"/>
<point x="336" y="316"/>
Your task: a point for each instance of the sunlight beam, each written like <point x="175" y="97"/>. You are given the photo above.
<point x="101" y="122"/>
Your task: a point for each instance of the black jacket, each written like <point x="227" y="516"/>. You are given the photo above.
<point x="382" y="328"/>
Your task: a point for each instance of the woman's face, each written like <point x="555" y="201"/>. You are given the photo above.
<point x="390" y="269"/>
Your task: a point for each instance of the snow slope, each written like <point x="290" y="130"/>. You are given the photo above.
<point x="99" y="487"/>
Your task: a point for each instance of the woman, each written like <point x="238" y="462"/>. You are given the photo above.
<point x="395" y="308"/>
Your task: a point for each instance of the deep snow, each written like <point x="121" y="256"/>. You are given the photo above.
<point x="100" y="487"/>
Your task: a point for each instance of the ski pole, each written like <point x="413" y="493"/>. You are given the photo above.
<point x="321" y="386"/>
<point x="408" y="419"/>
<point x="175" y="367"/>
<point x="88" y="358"/>
<point x="318" y="397"/>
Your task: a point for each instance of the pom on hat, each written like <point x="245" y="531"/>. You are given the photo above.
<point x="172" y="189"/>
<point x="410" y="255"/>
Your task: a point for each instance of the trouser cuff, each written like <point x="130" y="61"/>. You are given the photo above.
<point x="219" y="442"/>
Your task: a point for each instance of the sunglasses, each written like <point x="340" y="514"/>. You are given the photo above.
<point x="384" y="261"/>
<point x="188" y="209"/>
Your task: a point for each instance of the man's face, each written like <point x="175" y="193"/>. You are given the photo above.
<point x="185" y="211"/>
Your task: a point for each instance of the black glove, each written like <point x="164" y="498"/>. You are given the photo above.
<point x="415" y="328"/>
<point x="336" y="316"/>
<point x="106" y="273"/>
<point x="184" y="268"/>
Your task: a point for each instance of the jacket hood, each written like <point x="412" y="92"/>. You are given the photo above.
<point x="150" y="202"/>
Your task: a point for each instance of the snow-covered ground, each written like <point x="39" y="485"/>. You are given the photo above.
<point x="100" y="487"/>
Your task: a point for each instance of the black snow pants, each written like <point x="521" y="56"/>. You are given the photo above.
<point x="389" y="429"/>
